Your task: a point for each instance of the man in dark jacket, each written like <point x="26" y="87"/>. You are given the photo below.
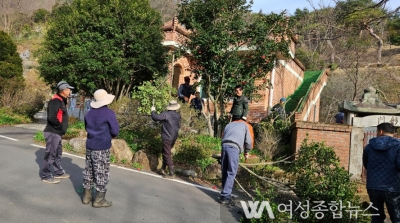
<point x="240" y="105"/>
<point x="185" y="90"/>
<point x="280" y="107"/>
<point x="381" y="159"/>
<point x="57" y="124"/>
<point x="197" y="103"/>
<point x="171" y="120"/>
<point x="101" y="125"/>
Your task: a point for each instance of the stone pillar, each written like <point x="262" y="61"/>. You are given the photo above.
<point x="356" y="151"/>
<point x="348" y="118"/>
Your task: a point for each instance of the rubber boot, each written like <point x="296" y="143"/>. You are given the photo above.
<point x="87" y="196"/>
<point x="171" y="174"/>
<point x="100" y="201"/>
<point x="162" y="171"/>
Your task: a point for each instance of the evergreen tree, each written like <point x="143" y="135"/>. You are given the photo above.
<point x="109" y="44"/>
<point x="11" y="75"/>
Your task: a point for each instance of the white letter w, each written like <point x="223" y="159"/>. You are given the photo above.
<point x="253" y="209"/>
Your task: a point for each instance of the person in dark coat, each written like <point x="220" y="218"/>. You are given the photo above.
<point x="185" y="90"/>
<point x="240" y="105"/>
<point x="57" y="124"/>
<point x="280" y="107"/>
<point x="171" y="120"/>
<point x="381" y="159"/>
<point x="102" y="126"/>
<point x="197" y="103"/>
<point x="339" y="117"/>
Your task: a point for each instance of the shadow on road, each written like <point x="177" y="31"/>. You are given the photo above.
<point x="228" y="213"/>
<point x="72" y="169"/>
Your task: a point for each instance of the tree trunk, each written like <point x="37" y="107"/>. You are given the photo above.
<point x="356" y="78"/>
<point x="380" y="44"/>
<point x="208" y="117"/>
<point x="332" y="51"/>
<point x="216" y="117"/>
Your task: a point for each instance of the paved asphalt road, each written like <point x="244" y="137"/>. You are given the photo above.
<point x="136" y="196"/>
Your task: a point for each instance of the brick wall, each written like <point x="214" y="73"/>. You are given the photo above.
<point x="285" y="83"/>
<point x="336" y="136"/>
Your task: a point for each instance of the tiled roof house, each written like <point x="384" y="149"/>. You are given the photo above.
<point x="288" y="79"/>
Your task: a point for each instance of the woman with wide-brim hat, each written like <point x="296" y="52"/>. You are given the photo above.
<point x="171" y="122"/>
<point x="101" y="125"/>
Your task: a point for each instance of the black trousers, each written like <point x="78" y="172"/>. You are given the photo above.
<point x="166" y="153"/>
<point x="392" y="200"/>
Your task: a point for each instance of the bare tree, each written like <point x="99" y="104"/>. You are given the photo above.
<point x="167" y="8"/>
<point x="14" y="11"/>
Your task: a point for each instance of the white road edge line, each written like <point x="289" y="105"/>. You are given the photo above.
<point x="8" y="138"/>
<point x="149" y="174"/>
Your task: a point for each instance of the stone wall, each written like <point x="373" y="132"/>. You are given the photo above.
<point x="336" y="136"/>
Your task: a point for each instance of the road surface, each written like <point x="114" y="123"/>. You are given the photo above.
<point x="136" y="196"/>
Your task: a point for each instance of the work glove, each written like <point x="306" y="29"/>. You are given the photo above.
<point x="153" y="108"/>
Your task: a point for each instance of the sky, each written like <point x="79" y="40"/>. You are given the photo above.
<point x="278" y="6"/>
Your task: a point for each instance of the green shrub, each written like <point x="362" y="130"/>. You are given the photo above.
<point x="334" y="66"/>
<point x="197" y="149"/>
<point x="138" y="130"/>
<point x="69" y="148"/>
<point x="136" y="165"/>
<point x="157" y="91"/>
<point x="76" y="125"/>
<point x="39" y="137"/>
<point x="41" y="15"/>
<point x="209" y="142"/>
<point x="204" y="163"/>
<point x="11" y="76"/>
<point x="319" y="177"/>
<point x="113" y="159"/>
<point x="72" y="133"/>
<point x="130" y="138"/>
<point x="150" y="140"/>
<point x="72" y="120"/>
<point x="29" y="104"/>
<point x="271" y="136"/>
<point x="190" y="120"/>
<point x="7" y="117"/>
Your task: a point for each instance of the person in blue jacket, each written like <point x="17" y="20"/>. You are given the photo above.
<point x="102" y="126"/>
<point x="381" y="159"/>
